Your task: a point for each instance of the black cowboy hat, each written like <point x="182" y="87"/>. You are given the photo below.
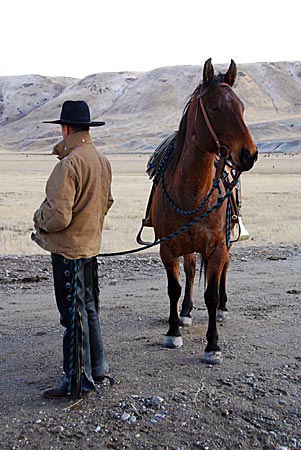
<point x="75" y="113"/>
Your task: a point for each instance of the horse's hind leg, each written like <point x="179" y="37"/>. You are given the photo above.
<point x="222" y="312"/>
<point x="187" y="305"/>
<point x="173" y="337"/>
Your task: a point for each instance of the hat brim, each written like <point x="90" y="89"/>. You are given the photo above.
<point x="72" y="122"/>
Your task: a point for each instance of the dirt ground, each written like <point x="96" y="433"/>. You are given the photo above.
<point x="162" y="399"/>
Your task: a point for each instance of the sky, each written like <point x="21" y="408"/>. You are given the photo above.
<point x="79" y="38"/>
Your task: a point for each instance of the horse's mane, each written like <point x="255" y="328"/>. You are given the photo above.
<point x="183" y="125"/>
<point x="183" y="122"/>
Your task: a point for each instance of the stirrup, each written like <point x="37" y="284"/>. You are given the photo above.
<point x="243" y="232"/>
<point x="145" y="223"/>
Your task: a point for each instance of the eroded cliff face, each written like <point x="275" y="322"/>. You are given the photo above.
<point x="140" y="109"/>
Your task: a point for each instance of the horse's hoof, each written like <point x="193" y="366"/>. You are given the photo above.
<point x="222" y="316"/>
<point x="173" y="342"/>
<point x="185" y="321"/>
<point x="214" y="357"/>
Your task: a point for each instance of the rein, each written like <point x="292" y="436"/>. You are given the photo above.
<point x="185" y="227"/>
<point x="223" y="152"/>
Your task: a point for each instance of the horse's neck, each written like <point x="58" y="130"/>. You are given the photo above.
<point x="194" y="172"/>
<point x="195" y="164"/>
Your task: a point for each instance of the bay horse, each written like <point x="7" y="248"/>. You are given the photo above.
<point x="212" y="129"/>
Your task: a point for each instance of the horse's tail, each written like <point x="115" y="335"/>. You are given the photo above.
<point x="203" y="268"/>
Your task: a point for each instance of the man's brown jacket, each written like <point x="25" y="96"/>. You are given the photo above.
<point x="78" y="196"/>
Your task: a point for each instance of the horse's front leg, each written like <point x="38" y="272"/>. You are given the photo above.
<point x="173" y="337"/>
<point x="187" y="305"/>
<point x="215" y="267"/>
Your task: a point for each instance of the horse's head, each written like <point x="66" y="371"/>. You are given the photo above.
<point x="223" y="129"/>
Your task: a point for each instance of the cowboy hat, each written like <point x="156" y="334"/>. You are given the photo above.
<point x="75" y="113"/>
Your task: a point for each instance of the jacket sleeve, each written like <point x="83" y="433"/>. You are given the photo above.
<point x="110" y="200"/>
<point x="55" y="213"/>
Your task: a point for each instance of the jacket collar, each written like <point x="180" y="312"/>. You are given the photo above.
<point x="65" y="147"/>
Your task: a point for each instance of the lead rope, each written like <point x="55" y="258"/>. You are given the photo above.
<point x="218" y="204"/>
<point x="228" y="223"/>
<point x="223" y="152"/>
<point x="215" y="185"/>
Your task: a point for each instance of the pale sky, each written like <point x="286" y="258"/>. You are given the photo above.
<point x="78" y="38"/>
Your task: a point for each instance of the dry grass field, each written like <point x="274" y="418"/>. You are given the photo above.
<point x="271" y="200"/>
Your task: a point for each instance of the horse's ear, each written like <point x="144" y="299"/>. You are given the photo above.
<point x="230" y="76"/>
<point x="208" y="71"/>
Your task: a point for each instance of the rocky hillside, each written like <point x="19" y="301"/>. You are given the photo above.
<point x="142" y="108"/>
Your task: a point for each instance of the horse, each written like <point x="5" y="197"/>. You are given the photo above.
<point x="190" y="203"/>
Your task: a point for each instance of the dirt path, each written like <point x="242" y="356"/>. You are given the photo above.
<point x="162" y="399"/>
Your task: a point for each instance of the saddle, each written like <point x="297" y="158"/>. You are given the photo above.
<point x="154" y="168"/>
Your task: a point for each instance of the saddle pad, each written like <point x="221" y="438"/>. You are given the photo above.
<point x="154" y="164"/>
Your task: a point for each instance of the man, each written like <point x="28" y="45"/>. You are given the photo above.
<point x="69" y="224"/>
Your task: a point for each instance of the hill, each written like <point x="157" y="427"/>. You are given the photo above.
<point x="140" y="109"/>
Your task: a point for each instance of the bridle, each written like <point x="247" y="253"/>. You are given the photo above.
<point x="223" y="152"/>
<point x="223" y="158"/>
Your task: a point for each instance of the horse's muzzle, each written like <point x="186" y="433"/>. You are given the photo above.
<point x="247" y="159"/>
